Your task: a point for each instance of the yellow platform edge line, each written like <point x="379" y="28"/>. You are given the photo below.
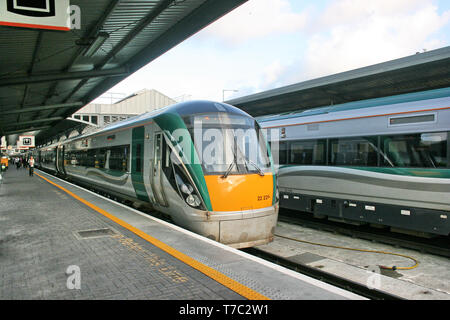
<point x="206" y="270"/>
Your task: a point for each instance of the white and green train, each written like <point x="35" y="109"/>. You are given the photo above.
<point x="205" y="164"/>
<point x="382" y="161"/>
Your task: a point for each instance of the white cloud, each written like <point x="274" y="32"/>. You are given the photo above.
<point x="257" y="19"/>
<point x="355" y="33"/>
<point x="272" y="72"/>
<point x="345" y="35"/>
<point x="359" y="11"/>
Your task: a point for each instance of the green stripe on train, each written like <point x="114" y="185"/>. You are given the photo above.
<point x="169" y="123"/>
<point x="137" y="163"/>
<point x="413" y="172"/>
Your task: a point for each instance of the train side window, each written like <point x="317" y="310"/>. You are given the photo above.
<point x="279" y="151"/>
<point x="91" y="158"/>
<point x="125" y="160"/>
<point x="165" y="159"/>
<point x="118" y="159"/>
<point x="360" y="151"/>
<point x="425" y="150"/>
<point x="308" y="152"/>
<point x="167" y="165"/>
<point x="70" y="158"/>
<point x="115" y="158"/>
<point x="101" y="158"/>
<point x="83" y="158"/>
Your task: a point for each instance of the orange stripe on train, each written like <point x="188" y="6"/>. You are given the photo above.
<point x="240" y="192"/>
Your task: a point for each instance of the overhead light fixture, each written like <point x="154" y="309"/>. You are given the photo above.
<point x="96" y="44"/>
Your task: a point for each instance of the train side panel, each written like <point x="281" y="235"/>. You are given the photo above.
<point x="386" y="165"/>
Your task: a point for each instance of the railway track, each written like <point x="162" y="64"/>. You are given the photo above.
<point x="323" y="276"/>
<point x="437" y="246"/>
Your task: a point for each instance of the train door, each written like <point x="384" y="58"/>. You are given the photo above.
<point x="54" y="160"/>
<point x="157" y="174"/>
<point x="60" y="160"/>
<point x="137" y="163"/>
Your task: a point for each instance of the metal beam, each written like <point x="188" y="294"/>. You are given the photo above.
<point x="207" y="13"/>
<point x="39" y="108"/>
<point x="144" y="22"/>
<point x="91" y="34"/>
<point x="33" y="122"/>
<point x="30" y="69"/>
<point x="122" y="71"/>
<point x="6" y="132"/>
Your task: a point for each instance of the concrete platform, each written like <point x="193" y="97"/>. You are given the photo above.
<point x="58" y="241"/>
<point x="430" y="280"/>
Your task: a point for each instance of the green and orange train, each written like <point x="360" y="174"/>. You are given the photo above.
<point x="205" y="164"/>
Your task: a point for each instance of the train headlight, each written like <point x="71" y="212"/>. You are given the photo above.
<point x="193" y="200"/>
<point x="186" y="188"/>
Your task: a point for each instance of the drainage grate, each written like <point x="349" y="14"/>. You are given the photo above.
<point x="95" y="233"/>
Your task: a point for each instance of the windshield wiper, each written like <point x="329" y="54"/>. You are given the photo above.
<point x="260" y="172"/>
<point x="247" y="161"/>
<point x="231" y="165"/>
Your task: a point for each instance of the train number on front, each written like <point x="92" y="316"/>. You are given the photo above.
<point x="264" y="197"/>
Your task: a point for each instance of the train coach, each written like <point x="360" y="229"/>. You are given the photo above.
<point x="205" y="164"/>
<point x="384" y="161"/>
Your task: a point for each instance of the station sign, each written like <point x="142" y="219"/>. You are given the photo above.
<point x="36" y="14"/>
<point x="25" y="142"/>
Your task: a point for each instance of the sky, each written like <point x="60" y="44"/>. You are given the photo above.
<point x="266" y="44"/>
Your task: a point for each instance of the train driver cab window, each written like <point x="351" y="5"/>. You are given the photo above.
<point x="354" y="152"/>
<point x="423" y="150"/>
<point x="228" y="143"/>
<point x="308" y="152"/>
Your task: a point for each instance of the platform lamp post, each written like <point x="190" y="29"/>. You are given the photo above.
<point x="223" y="93"/>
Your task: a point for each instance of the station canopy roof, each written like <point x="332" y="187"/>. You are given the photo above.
<point x="47" y="75"/>
<point x="419" y="72"/>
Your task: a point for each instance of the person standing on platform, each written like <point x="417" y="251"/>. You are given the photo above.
<point x="31" y="166"/>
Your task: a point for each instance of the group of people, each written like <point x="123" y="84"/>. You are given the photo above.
<point x="25" y="163"/>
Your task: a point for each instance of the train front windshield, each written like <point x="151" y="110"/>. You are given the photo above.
<point x="229" y="144"/>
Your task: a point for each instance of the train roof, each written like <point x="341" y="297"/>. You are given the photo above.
<point x="403" y="98"/>
<point x="182" y="109"/>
